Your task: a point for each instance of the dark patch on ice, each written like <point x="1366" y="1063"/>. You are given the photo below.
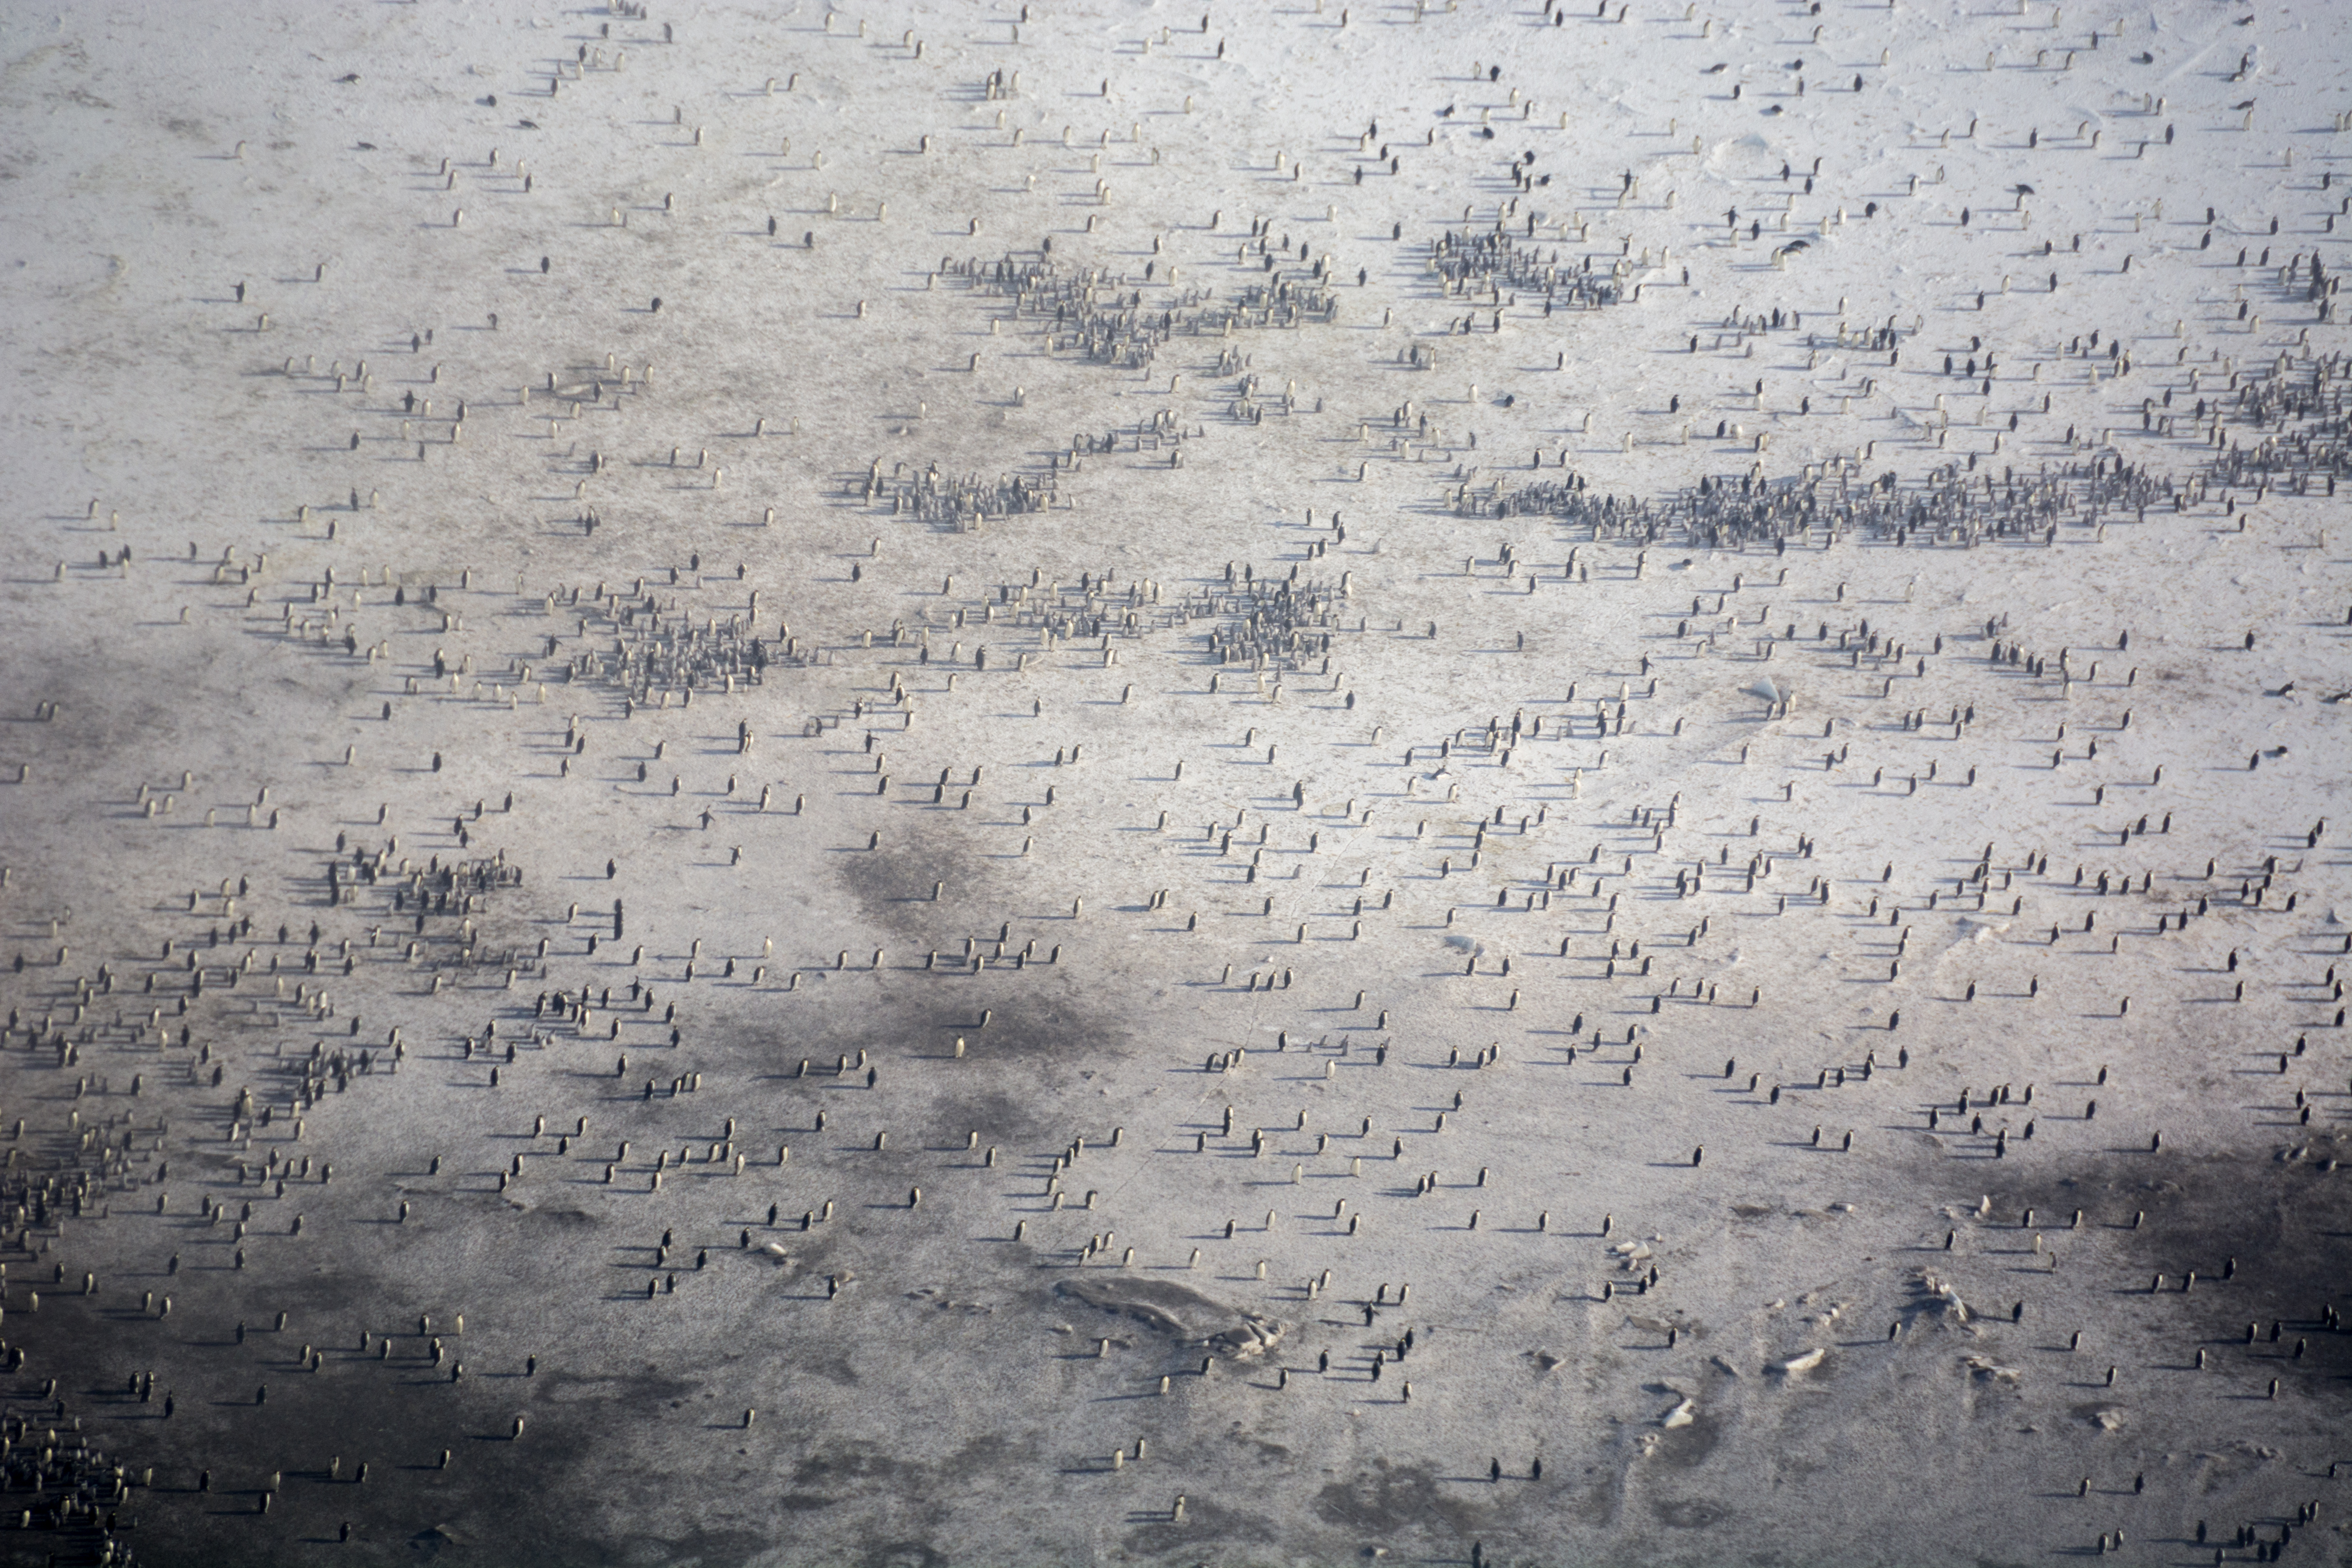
<point x="1690" y="1513"/>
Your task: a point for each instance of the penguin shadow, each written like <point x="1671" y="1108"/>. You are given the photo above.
<point x="231" y="1512"/>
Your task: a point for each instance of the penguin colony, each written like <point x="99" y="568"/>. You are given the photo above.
<point x="1517" y="785"/>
